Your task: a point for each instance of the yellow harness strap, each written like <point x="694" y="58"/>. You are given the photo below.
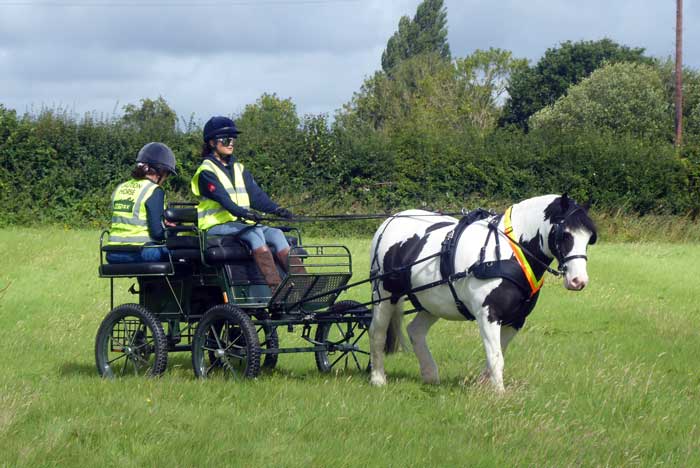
<point x="535" y="285"/>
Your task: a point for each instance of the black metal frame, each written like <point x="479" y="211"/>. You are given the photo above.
<point x="312" y="296"/>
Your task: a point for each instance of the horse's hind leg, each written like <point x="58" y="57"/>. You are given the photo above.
<point x="417" y="331"/>
<point x="381" y="317"/>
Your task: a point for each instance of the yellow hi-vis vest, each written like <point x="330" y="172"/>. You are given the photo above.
<point x="129" y="219"/>
<point x="209" y="212"/>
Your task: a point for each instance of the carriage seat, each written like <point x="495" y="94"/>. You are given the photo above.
<point x="220" y="249"/>
<point x="132" y="269"/>
<point x="135" y="269"/>
<point x="226" y="249"/>
<point x="181" y="215"/>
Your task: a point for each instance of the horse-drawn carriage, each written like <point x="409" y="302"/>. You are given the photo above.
<point x="213" y="302"/>
<point x="209" y="298"/>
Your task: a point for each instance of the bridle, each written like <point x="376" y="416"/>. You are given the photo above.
<point x="559" y="227"/>
<point x="559" y="238"/>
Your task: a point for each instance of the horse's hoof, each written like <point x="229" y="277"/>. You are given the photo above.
<point x="431" y="380"/>
<point x="377" y="380"/>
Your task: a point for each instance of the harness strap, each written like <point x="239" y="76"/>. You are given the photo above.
<point x="458" y="302"/>
<point x="414" y="301"/>
<point x="447" y="258"/>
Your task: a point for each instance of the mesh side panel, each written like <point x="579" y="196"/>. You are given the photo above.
<point x="303" y="289"/>
<point x="127" y="332"/>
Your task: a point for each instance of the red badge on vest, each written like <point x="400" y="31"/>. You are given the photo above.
<point x="211" y="187"/>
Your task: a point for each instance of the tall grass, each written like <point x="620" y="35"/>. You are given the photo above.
<point x="604" y="377"/>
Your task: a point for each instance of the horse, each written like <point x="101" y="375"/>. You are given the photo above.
<point x="488" y="268"/>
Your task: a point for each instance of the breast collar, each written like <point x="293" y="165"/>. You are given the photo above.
<point x="535" y="284"/>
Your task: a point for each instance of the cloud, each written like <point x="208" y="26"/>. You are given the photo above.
<point x="200" y="59"/>
<point x="530" y="28"/>
<point x="216" y="56"/>
<point x="268" y="28"/>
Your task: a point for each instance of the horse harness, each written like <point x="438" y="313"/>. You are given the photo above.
<point x="517" y="271"/>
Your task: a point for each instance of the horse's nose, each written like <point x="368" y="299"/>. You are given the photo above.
<point x="577" y="283"/>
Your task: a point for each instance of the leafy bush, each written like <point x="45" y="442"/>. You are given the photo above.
<point x="57" y="168"/>
<point x="623" y="97"/>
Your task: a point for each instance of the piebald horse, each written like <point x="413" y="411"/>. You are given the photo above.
<point x="495" y="268"/>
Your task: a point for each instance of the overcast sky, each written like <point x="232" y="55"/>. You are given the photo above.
<point x="215" y="56"/>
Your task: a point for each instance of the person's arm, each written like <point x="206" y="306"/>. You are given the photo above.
<point x="258" y="198"/>
<point x="210" y="187"/>
<point x="154" y="214"/>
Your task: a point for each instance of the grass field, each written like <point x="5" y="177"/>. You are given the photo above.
<point x="605" y="377"/>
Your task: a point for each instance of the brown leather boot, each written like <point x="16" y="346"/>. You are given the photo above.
<point x="295" y="264"/>
<point x="266" y="264"/>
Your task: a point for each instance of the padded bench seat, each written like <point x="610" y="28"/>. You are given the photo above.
<point x="220" y="249"/>
<point x="135" y="269"/>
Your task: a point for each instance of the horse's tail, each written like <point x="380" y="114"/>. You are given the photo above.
<point x="395" y="339"/>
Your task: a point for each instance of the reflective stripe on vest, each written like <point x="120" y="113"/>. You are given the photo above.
<point x="535" y="285"/>
<point x="209" y="212"/>
<point x="129" y="217"/>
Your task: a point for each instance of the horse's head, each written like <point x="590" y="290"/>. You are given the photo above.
<point x="571" y="231"/>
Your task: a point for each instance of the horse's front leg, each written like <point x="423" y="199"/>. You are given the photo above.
<point x="417" y="331"/>
<point x="491" y="336"/>
<point x="381" y="317"/>
<point x="507" y="334"/>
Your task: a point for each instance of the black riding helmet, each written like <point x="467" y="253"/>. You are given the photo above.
<point x="218" y="127"/>
<point x="157" y="155"/>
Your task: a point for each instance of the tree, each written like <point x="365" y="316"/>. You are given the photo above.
<point x="532" y="88"/>
<point x="422" y="88"/>
<point x="483" y="77"/>
<point x="270" y="142"/>
<point x="623" y="97"/>
<point x="153" y="119"/>
<point x="426" y="33"/>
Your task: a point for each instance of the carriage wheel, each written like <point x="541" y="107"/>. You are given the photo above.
<point x="130" y="341"/>
<point x="269" y="339"/>
<point x="226" y="343"/>
<point x="344" y="338"/>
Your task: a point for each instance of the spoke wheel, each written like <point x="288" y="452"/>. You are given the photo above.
<point x="345" y="340"/>
<point x="226" y="343"/>
<point x="130" y="341"/>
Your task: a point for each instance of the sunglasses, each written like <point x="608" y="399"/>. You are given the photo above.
<point x="228" y="141"/>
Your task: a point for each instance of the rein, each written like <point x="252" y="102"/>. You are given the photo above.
<point x="351" y="217"/>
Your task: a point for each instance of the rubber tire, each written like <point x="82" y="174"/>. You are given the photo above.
<point x="160" y="343"/>
<point x="323" y="361"/>
<point x="215" y="317"/>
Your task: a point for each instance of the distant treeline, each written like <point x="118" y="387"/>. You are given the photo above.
<point x="435" y="132"/>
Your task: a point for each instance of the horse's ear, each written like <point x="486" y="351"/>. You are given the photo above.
<point x="565" y="202"/>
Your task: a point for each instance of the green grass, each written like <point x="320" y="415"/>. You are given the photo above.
<point x="605" y="377"/>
